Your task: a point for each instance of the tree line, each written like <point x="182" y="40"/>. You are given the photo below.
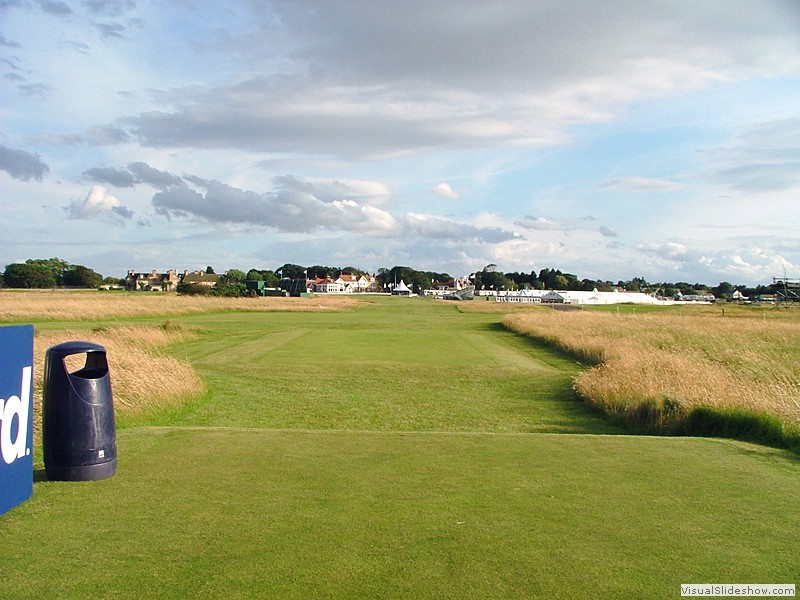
<point x="49" y="273"/>
<point x="55" y="272"/>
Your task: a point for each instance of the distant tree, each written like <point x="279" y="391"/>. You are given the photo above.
<point x="292" y="271"/>
<point x="29" y="275"/>
<point x="192" y="289"/>
<point x="80" y="276"/>
<point x="254" y="275"/>
<point x="233" y="276"/>
<point x="723" y="290"/>
<point x="114" y="281"/>
<point x="231" y="284"/>
<point x="521" y="280"/>
<point x="547" y="277"/>
<point x="492" y="280"/>
<point x="321" y="272"/>
<point x="56" y="266"/>
<point x="434" y="276"/>
<point x="637" y="284"/>
<point x="210" y="270"/>
<point x="229" y="290"/>
<point x="271" y="279"/>
<point x="416" y="280"/>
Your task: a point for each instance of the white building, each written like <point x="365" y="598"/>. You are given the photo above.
<point x="574" y="297"/>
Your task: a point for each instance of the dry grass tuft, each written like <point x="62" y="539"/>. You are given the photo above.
<point x="142" y="376"/>
<point x="675" y="363"/>
<point x="46" y="305"/>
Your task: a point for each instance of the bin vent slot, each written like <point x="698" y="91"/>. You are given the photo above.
<point x="88" y="365"/>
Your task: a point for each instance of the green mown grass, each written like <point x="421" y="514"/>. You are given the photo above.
<point x="422" y="366"/>
<point x="209" y="513"/>
<point x="403" y="449"/>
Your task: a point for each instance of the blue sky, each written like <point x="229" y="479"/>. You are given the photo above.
<point x="608" y="139"/>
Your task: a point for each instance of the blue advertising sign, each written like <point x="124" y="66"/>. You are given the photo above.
<point x="16" y="415"/>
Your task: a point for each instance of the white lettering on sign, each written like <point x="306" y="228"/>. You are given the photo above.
<point x="19" y="407"/>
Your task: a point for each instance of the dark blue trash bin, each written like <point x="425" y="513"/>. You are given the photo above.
<point x="78" y="432"/>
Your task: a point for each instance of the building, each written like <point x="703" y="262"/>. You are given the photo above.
<point x="353" y="284"/>
<point x="578" y="298"/>
<point x="152" y="282"/>
<point x="200" y="278"/>
<point x="526" y="296"/>
<point x="326" y="285"/>
<point x="346" y="283"/>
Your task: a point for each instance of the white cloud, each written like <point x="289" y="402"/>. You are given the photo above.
<point x="763" y="157"/>
<point x="540" y="224"/>
<point x="643" y="184"/>
<point x="443" y="189"/>
<point x="295" y="208"/>
<point x="668" y="250"/>
<point x="99" y="204"/>
<point x="328" y="190"/>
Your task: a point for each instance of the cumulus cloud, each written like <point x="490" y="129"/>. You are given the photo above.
<point x="287" y="209"/>
<point x="539" y="223"/>
<point x="668" y="250"/>
<point x="22" y="165"/>
<point x="347" y="79"/>
<point x="111" y="175"/>
<point x="135" y="173"/>
<point x="99" y="204"/>
<point x="295" y="208"/>
<point x="329" y="190"/>
<point x="444" y="190"/>
<point x="102" y="135"/>
<point x="144" y="173"/>
<point x="607" y="232"/>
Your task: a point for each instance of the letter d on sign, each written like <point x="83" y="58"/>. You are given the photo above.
<point x="19" y="408"/>
<point x="16" y="415"/>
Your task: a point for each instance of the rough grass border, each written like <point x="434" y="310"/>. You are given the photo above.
<point x="666" y="415"/>
<point x="44" y="306"/>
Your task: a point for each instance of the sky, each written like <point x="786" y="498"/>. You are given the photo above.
<point x="616" y="139"/>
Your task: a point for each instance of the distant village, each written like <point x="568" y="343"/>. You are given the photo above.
<point x="167" y="282"/>
<point x="451" y="289"/>
<point x="547" y="286"/>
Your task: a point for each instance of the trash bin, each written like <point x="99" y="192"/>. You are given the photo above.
<point x="78" y="433"/>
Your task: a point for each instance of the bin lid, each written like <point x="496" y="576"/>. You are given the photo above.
<point x="76" y="347"/>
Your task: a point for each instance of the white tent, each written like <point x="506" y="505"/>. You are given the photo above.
<point x="401" y="289"/>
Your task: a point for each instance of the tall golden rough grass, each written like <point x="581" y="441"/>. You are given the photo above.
<point x="47" y="305"/>
<point x="679" y="362"/>
<point x="142" y="375"/>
